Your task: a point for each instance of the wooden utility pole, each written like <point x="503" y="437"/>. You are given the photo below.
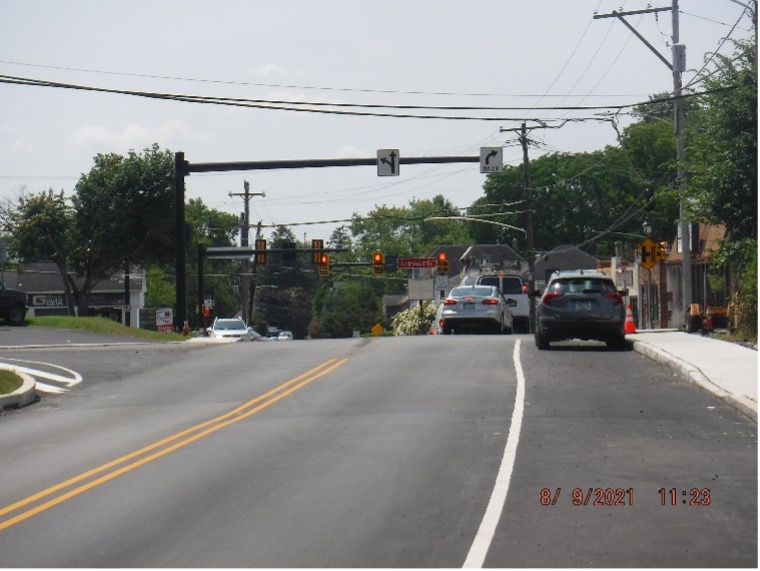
<point x="677" y="67"/>
<point x="530" y="253"/>
<point x="529" y="226"/>
<point x="244" y="226"/>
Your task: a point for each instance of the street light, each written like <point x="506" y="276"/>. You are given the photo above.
<point x="647" y="227"/>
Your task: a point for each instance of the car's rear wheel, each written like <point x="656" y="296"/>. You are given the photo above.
<point x="16" y="315"/>
<point x="542" y="342"/>
<point x="617" y="344"/>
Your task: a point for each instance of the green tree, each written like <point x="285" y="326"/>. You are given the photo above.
<point x="123" y="213"/>
<point x="408" y="231"/>
<point x="285" y="287"/>
<point x="722" y="152"/>
<point x="582" y="199"/>
<point x="353" y="305"/>
<point x="41" y="226"/>
<point x="211" y="228"/>
<point x="722" y="161"/>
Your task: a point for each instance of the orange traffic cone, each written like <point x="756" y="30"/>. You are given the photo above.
<point x="630" y="326"/>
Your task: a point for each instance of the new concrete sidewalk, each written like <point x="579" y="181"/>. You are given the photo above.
<point x="726" y="369"/>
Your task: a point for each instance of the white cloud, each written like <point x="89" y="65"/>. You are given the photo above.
<point x="352" y="152"/>
<point x="135" y="136"/>
<point x="23" y="145"/>
<point x="267" y="70"/>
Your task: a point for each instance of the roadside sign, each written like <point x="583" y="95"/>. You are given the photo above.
<point x="491" y="159"/>
<point x="387" y="162"/>
<point x="651" y="253"/>
<point x="413" y="263"/>
<point x="377" y="330"/>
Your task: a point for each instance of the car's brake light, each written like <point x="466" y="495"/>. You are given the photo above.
<point x="525" y="288"/>
<point x="490" y="301"/>
<point x="548" y="297"/>
<point x="449" y="302"/>
<point x="614" y="295"/>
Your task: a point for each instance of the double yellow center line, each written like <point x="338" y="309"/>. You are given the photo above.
<point x="129" y="462"/>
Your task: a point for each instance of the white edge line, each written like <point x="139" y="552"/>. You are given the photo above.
<point x="74" y="380"/>
<point x="482" y="542"/>
<point x="45" y="388"/>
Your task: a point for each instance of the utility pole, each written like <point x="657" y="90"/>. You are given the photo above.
<point x="529" y="227"/>
<point x="677" y="66"/>
<point x="244" y="226"/>
<point x="530" y="251"/>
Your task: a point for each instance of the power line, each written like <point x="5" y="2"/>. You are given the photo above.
<point x="286" y="86"/>
<point x="309" y="106"/>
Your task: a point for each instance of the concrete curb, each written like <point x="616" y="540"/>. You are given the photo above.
<point x="693" y="374"/>
<point x="22" y="396"/>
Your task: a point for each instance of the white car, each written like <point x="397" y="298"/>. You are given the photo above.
<point x="285" y="336"/>
<point x="231" y="329"/>
<point x="477" y="307"/>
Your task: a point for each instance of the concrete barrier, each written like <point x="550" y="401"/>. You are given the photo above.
<point x="24" y="395"/>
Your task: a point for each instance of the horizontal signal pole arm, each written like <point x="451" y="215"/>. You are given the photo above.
<point x="233" y="252"/>
<point x="315" y="163"/>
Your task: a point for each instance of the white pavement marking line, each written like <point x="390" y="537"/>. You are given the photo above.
<point x="484" y="537"/>
<point x="72" y="379"/>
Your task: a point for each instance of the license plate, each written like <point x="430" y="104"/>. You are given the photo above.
<point x="468" y="305"/>
<point x="582" y="306"/>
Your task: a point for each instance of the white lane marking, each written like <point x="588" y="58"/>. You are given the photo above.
<point x="72" y="378"/>
<point x="484" y="537"/>
<point x="45" y="388"/>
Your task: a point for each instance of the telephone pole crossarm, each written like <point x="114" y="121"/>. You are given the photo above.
<point x="619" y="16"/>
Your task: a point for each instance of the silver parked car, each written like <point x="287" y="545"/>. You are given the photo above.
<point x="475" y="308"/>
<point x="580" y="304"/>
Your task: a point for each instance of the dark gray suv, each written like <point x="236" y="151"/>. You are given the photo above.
<point x="580" y="304"/>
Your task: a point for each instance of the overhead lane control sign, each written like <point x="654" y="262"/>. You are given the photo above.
<point x="387" y="162"/>
<point x="491" y="159"/>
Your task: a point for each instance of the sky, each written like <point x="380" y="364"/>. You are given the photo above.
<point x="512" y="60"/>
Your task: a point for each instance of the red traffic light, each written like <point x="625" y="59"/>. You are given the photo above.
<point x="378" y="263"/>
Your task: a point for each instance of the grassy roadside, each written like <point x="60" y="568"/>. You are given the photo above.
<point x="9" y="381"/>
<point x="101" y="325"/>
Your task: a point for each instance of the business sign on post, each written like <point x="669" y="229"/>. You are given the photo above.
<point x="164" y="320"/>
<point x="420" y="290"/>
<point x="414" y="263"/>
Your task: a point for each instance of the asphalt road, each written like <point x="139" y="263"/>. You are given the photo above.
<point x="375" y="453"/>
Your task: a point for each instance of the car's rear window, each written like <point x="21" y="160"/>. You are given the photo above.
<point x="583" y="285"/>
<point x="482" y="291"/>
<point x="509" y="284"/>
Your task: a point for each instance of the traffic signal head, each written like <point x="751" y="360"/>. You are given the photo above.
<point x="442" y="263"/>
<point x="378" y="263"/>
<point x="316" y="251"/>
<point x="324" y="265"/>
<point x="261" y="254"/>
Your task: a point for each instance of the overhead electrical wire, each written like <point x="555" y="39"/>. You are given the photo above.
<point x="320" y="106"/>
<point x="286" y="86"/>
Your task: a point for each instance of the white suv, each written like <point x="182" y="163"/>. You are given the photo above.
<point x="514" y="290"/>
